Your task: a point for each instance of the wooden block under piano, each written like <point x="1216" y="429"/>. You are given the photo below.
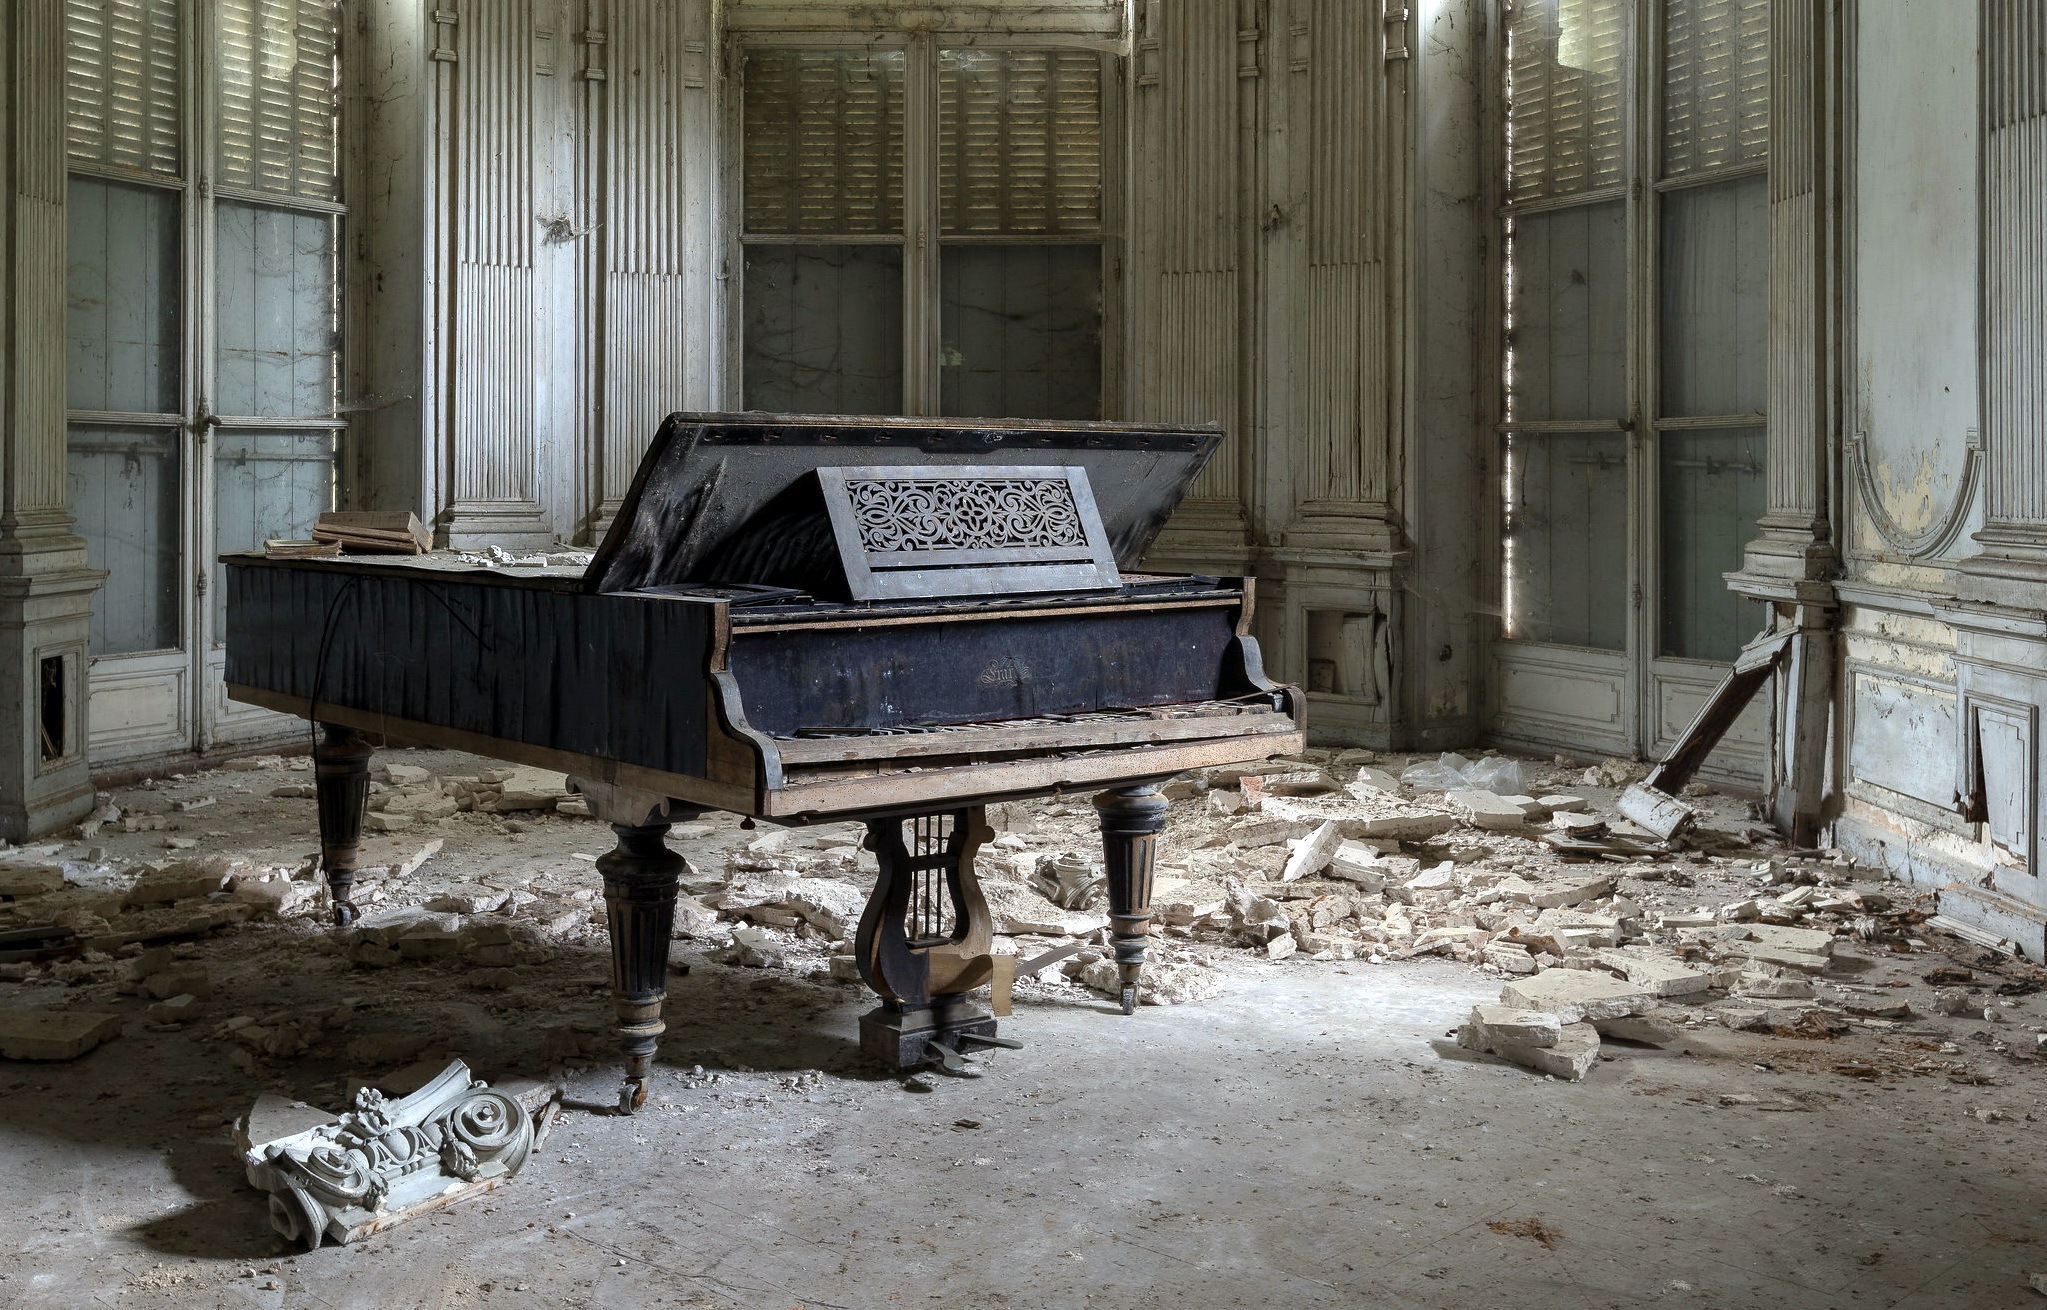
<point x="390" y="532"/>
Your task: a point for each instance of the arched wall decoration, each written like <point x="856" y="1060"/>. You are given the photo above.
<point x="1936" y="536"/>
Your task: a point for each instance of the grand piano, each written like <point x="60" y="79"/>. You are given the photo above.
<point x="806" y="619"/>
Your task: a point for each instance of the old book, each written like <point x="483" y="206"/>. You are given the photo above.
<point x="284" y="548"/>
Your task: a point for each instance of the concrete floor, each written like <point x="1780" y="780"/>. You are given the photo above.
<point x="1309" y="1139"/>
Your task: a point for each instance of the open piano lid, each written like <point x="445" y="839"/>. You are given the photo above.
<point x="709" y="481"/>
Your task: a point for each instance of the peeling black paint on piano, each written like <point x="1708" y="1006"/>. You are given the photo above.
<point x="967" y="672"/>
<point x="607" y="676"/>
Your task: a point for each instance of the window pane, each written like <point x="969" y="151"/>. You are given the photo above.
<point x="1022" y="332"/>
<point x="1712" y="494"/>
<point x="278" y="332"/>
<point x="1716" y="298"/>
<point x="824" y="141"/>
<point x="279" y="75"/>
<point x="266" y="484"/>
<point x="121" y="76"/>
<point x="124" y="493"/>
<point x="1567" y="540"/>
<point x="121" y="298"/>
<point x="1716" y="83"/>
<point x="1020" y="141"/>
<point x="1569" y="333"/>
<point x="1564" y="95"/>
<point x="824" y="329"/>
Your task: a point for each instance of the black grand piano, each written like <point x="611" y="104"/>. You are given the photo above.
<point x="806" y="619"/>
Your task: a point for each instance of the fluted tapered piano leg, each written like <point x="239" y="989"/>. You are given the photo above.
<point x="341" y="781"/>
<point x="640" y="878"/>
<point x="1131" y="820"/>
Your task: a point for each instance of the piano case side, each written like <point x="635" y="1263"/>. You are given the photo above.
<point x="605" y="686"/>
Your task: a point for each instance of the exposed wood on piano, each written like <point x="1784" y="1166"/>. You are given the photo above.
<point x="875" y="618"/>
<point x="966" y="739"/>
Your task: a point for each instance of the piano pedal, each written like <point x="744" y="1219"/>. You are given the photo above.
<point x="949" y="1061"/>
<point x="990" y="1039"/>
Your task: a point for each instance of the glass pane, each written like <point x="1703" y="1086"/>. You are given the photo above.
<point x="824" y="141"/>
<point x="1564" y="95"/>
<point x="1022" y="332"/>
<point x="124" y="492"/>
<point x="824" y="329"/>
<point x="279" y="331"/>
<point x="266" y="484"/>
<point x="279" y="95"/>
<point x="121" y="298"/>
<point x="1711" y="496"/>
<point x="1568" y="336"/>
<point x="1567" y="540"/>
<point x="121" y="78"/>
<point x="1716" y="298"/>
<point x="1716" y="83"/>
<point x="1020" y="141"/>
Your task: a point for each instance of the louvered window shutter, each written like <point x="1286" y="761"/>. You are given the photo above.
<point x="279" y="71"/>
<point x="1716" y="94"/>
<point x="1020" y="141"/>
<point x="824" y="141"/>
<point x="1565" y="88"/>
<point x="121" y="83"/>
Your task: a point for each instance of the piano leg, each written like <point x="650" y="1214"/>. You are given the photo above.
<point x="1131" y="819"/>
<point x="341" y="780"/>
<point x="640" y="877"/>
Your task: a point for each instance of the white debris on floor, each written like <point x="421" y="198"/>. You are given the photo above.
<point x="478" y="878"/>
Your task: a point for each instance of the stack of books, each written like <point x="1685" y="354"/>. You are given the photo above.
<point x="396" y="531"/>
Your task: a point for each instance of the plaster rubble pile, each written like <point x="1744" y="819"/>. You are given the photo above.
<point x="1333" y="857"/>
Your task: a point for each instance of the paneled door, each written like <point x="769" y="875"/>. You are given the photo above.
<point x="1635" y="321"/>
<point x="203" y="333"/>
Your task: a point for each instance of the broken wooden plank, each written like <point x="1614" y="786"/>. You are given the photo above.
<point x="1752" y="669"/>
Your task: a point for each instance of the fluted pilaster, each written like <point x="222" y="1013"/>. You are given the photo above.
<point x="46" y="585"/>
<point x="2012" y="568"/>
<point x="1796" y="545"/>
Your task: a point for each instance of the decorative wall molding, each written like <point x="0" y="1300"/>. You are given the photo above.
<point x="1944" y="527"/>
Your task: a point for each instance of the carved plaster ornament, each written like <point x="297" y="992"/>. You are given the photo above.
<point x="386" y="1161"/>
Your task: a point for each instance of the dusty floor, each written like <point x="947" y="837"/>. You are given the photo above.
<point x="1312" y="1136"/>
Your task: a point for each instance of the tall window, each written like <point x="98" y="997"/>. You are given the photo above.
<point x="1637" y="320"/>
<point x="924" y="231"/>
<point x="203" y="325"/>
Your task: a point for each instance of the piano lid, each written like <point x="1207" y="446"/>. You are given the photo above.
<point x="715" y="493"/>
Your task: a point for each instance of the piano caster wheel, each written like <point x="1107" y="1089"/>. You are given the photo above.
<point x="1130" y="998"/>
<point x="632" y="1095"/>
